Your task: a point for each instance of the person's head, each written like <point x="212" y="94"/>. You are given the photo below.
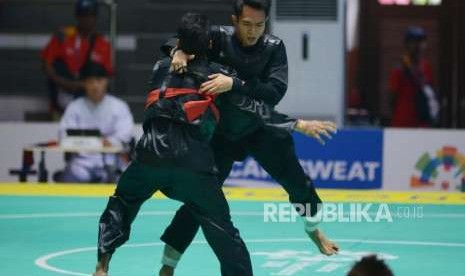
<point x="249" y="20"/>
<point x="370" y="266"/>
<point x="193" y="34"/>
<point x="95" y="81"/>
<point x="415" y="41"/>
<point x="86" y="14"/>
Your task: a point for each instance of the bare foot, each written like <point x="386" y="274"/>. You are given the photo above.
<point x="166" y="271"/>
<point x="325" y="246"/>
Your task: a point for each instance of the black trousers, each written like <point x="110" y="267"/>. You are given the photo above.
<point x="203" y="199"/>
<point x="276" y="154"/>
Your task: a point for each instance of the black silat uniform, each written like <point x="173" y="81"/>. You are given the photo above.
<point x="174" y="156"/>
<point x="264" y="69"/>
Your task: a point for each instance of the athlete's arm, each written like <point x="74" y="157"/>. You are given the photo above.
<point x="272" y="88"/>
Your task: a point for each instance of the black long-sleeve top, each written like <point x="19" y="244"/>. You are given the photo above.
<point x="263" y="66"/>
<point x="262" y="75"/>
<point x="170" y="137"/>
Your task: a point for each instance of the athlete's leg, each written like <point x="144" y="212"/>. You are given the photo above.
<point x="276" y="154"/>
<point x="206" y="202"/>
<point x="134" y="187"/>
<point x="183" y="227"/>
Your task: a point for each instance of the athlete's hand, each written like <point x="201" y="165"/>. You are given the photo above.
<point x="315" y="129"/>
<point x="179" y="61"/>
<point x="217" y="84"/>
<point x="325" y="246"/>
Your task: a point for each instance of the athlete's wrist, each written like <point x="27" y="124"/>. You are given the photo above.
<point x="173" y="51"/>
<point x="300" y="126"/>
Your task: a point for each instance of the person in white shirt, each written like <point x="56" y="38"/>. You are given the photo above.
<point x="97" y="110"/>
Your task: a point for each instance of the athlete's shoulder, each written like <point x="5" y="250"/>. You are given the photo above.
<point x="223" y="30"/>
<point x="272" y="40"/>
<point x="161" y="64"/>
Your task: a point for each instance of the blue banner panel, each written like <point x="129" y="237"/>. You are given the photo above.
<point x="351" y="160"/>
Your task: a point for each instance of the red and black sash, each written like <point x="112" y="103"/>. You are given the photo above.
<point x="193" y="109"/>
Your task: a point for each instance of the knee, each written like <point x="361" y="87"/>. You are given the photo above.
<point x="120" y="212"/>
<point x="114" y="225"/>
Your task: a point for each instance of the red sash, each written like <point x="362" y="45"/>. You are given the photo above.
<point x="193" y="109"/>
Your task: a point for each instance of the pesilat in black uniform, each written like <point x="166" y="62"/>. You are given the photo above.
<point x="264" y="69"/>
<point x="174" y="156"/>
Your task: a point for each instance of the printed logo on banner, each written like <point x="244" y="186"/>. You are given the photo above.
<point x="351" y="160"/>
<point x="445" y="170"/>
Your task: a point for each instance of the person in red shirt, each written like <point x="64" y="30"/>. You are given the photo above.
<point x="415" y="103"/>
<point x="68" y="50"/>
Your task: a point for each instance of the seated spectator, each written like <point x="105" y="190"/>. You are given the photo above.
<point x="67" y="52"/>
<point x="96" y="110"/>
<point x="370" y="266"/>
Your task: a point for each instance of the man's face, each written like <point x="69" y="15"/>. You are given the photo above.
<point x="87" y="23"/>
<point x="250" y="25"/>
<point x="96" y="88"/>
<point x="415" y="48"/>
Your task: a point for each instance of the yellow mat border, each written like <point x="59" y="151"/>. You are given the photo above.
<point x="242" y="193"/>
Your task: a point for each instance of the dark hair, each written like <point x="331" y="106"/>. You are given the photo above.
<point x="193" y="34"/>
<point x="263" y="5"/>
<point x="86" y="7"/>
<point x="370" y="266"/>
<point x="414" y="33"/>
<point x="93" y="70"/>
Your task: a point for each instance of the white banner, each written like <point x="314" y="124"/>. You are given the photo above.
<point x="423" y="159"/>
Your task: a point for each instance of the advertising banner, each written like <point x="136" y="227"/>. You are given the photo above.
<point x="351" y="160"/>
<point x="424" y="160"/>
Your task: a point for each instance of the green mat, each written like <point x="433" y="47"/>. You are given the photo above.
<point x="57" y="236"/>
